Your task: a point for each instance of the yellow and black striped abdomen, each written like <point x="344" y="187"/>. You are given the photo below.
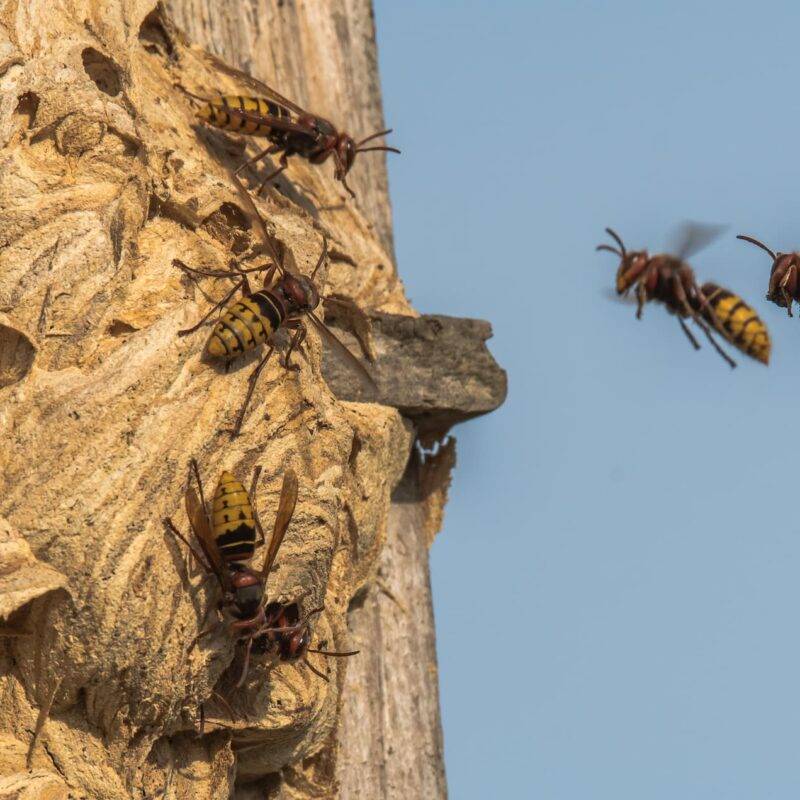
<point x="743" y="328"/>
<point x="234" y="526"/>
<point x="246" y="324"/>
<point x="217" y="112"/>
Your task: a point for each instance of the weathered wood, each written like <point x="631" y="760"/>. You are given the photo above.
<point x="435" y="370"/>
<point x="391" y="729"/>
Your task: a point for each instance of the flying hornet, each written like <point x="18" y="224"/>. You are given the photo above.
<point x="669" y="279"/>
<point x="290" y="129"/>
<point x="784" y="285"/>
<point x="227" y="533"/>
<point x="285" y="301"/>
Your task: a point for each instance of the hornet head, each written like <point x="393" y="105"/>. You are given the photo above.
<point x="300" y="291"/>
<point x="631" y="265"/>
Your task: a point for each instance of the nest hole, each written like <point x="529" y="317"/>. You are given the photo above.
<point x="27" y="106"/>
<point x="119" y="327"/>
<point x="17" y="354"/>
<point x="233" y="216"/>
<point x="229" y="224"/>
<point x="106" y="75"/>
<point x="154" y="36"/>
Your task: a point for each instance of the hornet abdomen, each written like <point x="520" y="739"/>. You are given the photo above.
<point x="245" y="324"/>
<point x="233" y="523"/>
<point x="216" y="112"/>
<point x="738" y="321"/>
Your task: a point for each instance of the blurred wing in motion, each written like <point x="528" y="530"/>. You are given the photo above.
<point x="689" y="238"/>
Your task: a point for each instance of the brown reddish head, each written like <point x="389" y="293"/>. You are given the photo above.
<point x="275" y="630"/>
<point x="784" y="281"/>
<point x="292" y="640"/>
<point x="295" y="645"/>
<point x="300" y="292"/>
<point x="631" y="265"/>
<point x="288" y="636"/>
<point x="345" y="148"/>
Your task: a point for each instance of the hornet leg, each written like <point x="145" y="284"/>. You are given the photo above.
<point x="731" y="363"/>
<point x="271" y="150"/>
<point x="315" y="670"/>
<point x="299" y="337"/>
<point x="689" y="334"/>
<point x="246" y="666"/>
<point x="252" y="380"/>
<point x="680" y="293"/>
<point x="170" y="526"/>
<point x="44" y="712"/>
<point x="220" y="304"/>
<point x="284" y="161"/>
<point x="717" y="326"/>
<point x="641" y="298"/>
<point x="641" y="291"/>
<point x="220" y="699"/>
<point x="200" y="636"/>
<point x="787" y="298"/>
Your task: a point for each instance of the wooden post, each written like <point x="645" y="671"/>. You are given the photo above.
<point x="108" y="183"/>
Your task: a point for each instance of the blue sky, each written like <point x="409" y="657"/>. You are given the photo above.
<point x="616" y="586"/>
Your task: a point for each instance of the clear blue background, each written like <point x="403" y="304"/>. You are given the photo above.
<point x="616" y="585"/>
